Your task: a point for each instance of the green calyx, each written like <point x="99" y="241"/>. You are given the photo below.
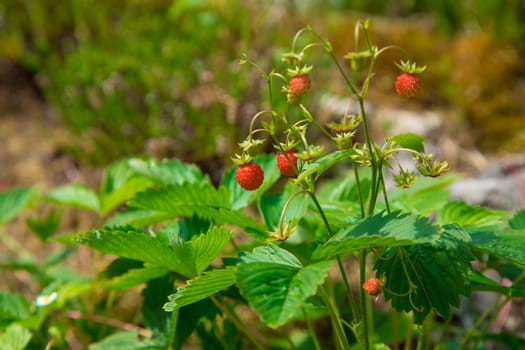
<point x="410" y="67"/>
<point x="297" y="71"/>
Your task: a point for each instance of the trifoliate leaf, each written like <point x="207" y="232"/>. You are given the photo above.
<point x="430" y="276"/>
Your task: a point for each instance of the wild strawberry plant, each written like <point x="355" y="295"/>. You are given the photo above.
<point x="317" y="249"/>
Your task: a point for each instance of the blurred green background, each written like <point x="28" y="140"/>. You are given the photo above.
<point x="161" y="77"/>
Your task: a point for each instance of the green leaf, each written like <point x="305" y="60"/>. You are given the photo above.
<point x="272" y="204"/>
<point x="410" y="141"/>
<point x="518" y="220"/>
<point x="202" y="287"/>
<point x="481" y="282"/>
<point x="380" y="230"/>
<point x="428" y="276"/>
<point x="168" y="171"/>
<point x="189" y="258"/>
<point x="137" y="217"/>
<point x="45" y="227"/>
<point x="276" y="284"/>
<point x="427" y="195"/>
<point x="203" y="249"/>
<point x="15" y="337"/>
<point x="120" y="182"/>
<point x="324" y="163"/>
<point x="134" y="277"/>
<point x="75" y="195"/>
<point x="193" y="199"/>
<point x="153" y="297"/>
<point x="508" y="245"/>
<point x="121" y="194"/>
<point x="460" y="213"/>
<point x="13" y="307"/>
<point x="239" y="197"/>
<point x="272" y="254"/>
<point x="125" y="341"/>
<point x="14" y="200"/>
<point x="132" y="243"/>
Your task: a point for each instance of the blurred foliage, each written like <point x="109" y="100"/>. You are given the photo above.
<point x="162" y="77"/>
<point x="125" y="72"/>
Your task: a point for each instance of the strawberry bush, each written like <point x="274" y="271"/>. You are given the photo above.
<point x="312" y="247"/>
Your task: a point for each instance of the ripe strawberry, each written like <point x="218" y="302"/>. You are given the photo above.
<point x="250" y="176"/>
<point x="407" y="84"/>
<point x="299" y="84"/>
<point x="373" y="286"/>
<point x="285" y="167"/>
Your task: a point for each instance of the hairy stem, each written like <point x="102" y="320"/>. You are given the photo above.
<point x="351" y="300"/>
<point x="363" y="298"/>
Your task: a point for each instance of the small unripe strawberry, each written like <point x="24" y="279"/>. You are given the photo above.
<point x="407" y="84"/>
<point x="249" y="176"/>
<point x="287" y="167"/>
<point x="373" y="286"/>
<point x="299" y="85"/>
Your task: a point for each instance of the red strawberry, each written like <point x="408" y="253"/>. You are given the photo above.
<point x="373" y="286"/>
<point x="285" y="167"/>
<point x="250" y="176"/>
<point x="407" y="84"/>
<point x="299" y="85"/>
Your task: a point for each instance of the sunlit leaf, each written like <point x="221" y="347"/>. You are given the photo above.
<point x="461" y="213"/>
<point x="427" y="196"/>
<point x="134" y="244"/>
<point x="168" y="171"/>
<point x="379" y="230"/>
<point x="75" y="195"/>
<point x="508" y="245"/>
<point x="14" y="337"/>
<point x="324" y="163"/>
<point x="189" y="258"/>
<point x="410" y="141"/>
<point x="193" y="199"/>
